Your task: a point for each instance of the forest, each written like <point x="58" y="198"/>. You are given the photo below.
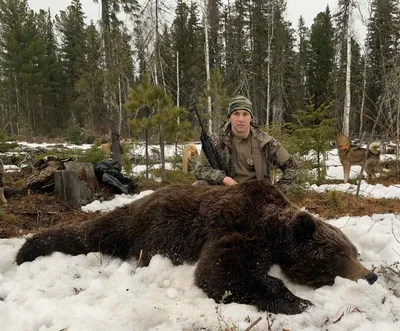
<point x="139" y="77"/>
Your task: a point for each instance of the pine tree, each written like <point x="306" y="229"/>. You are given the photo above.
<point x="382" y="48"/>
<point x="189" y="42"/>
<point x="237" y="66"/>
<point x="219" y="99"/>
<point x="140" y="45"/>
<point x="90" y="85"/>
<point x="282" y="65"/>
<point x="155" y="112"/>
<point x="312" y="132"/>
<point x="168" y="60"/>
<point x="52" y="98"/>
<point x="301" y="63"/>
<point x="321" y="59"/>
<point x="110" y="25"/>
<point x="32" y="74"/>
<point x="357" y="78"/>
<point x="21" y="60"/>
<point x="214" y="20"/>
<point x="71" y="25"/>
<point x="261" y="36"/>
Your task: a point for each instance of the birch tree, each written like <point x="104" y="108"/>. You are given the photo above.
<point x="207" y="62"/>
<point x="346" y="116"/>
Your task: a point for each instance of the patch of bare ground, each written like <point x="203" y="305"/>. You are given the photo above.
<point x="31" y="213"/>
<point x="336" y="204"/>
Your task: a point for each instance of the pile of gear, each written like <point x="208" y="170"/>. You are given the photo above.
<point x="107" y="172"/>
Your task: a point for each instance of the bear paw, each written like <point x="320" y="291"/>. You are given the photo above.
<point x="297" y="307"/>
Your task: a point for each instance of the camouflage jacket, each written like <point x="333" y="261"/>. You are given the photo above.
<point x="272" y="152"/>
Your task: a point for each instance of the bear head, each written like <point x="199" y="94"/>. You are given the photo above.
<point x="320" y="252"/>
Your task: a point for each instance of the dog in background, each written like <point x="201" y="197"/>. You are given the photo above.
<point x="2" y="197"/>
<point x="106" y="148"/>
<point x="189" y="153"/>
<point x="350" y="155"/>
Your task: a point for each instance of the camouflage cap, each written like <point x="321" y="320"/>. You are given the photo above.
<point x="240" y="103"/>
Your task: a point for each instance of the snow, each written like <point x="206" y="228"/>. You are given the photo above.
<point x="52" y="145"/>
<point x="96" y="292"/>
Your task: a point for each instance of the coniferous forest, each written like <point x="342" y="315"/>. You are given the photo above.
<point x="136" y="73"/>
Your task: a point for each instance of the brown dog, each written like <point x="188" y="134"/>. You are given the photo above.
<point x="353" y="155"/>
<point x="2" y="197"/>
<point x="106" y="148"/>
<point x="189" y="153"/>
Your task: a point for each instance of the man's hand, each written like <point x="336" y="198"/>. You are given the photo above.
<point x="229" y="181"/>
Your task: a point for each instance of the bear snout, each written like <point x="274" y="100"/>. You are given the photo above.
<point x="371" y="277"/>
<point x="354" y="270"/>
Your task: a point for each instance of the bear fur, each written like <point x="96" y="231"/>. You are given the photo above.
<point x="235" y="234"/>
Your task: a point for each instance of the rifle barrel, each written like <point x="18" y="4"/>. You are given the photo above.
<point x="203" y="128"/>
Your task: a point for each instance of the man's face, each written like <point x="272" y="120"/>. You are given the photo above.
<point x="240" y="121"/>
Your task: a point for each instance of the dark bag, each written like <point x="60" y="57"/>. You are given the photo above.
<point x="108" y="172"/>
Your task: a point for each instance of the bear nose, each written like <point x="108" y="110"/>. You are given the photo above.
<point x="371" y="277"/>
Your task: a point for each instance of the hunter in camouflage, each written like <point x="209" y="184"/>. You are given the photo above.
<point x="246" y="152"/>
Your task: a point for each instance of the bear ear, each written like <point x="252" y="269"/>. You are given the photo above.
<point x="305" y="226"/>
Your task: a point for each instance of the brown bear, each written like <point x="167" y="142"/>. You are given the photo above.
<point x="235" y="234"/>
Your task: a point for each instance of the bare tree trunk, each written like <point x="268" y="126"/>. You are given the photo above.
<point x="177" y="82"/>
<point x="398" y="132"/>
<point x="17" y="98"/>
<point x="347" y="100"/>
<point x="269" y="66"/>
<point x="109" y="96"/>
<point x="177" y="104"/>
<point x="156" y="48"/>
<point x="162" y="152"/>
<point x="160" y="133"/>
<point x="363" y="96"/>
<point x="162" y="73"/>
<point x="207" y="58"/>
<point x="120" y="104"/>
<point x="146" y="138"/>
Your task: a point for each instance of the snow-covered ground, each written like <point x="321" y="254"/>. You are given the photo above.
<point x="335" y="171"/>
<point x="94" y="292"/>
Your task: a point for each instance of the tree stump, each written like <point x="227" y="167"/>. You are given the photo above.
<point x="85" y="172"/>
<point x="67" y="188"/>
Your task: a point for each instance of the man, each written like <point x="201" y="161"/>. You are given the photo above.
<point x="246" y="152"/>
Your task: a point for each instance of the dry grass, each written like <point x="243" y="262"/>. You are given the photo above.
<point x="28" y="214"/>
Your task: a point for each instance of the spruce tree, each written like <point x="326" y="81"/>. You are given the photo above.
<point x="53" y="95"/>
<point x="237" y="68"/>
<point x="70" y="24"/>
<point x="321" y="58"/>
<point x="89" y="87"/>
<point x="313" y="131"/>
<point x="189" y="44"/>
<point x="283" y="58"/>
<point x="382" y="50"/>
<point x="21" y="62"/>
<point x="214" y="20"/>
<point x="301" y="63"/>
<point x="110" y="24"/>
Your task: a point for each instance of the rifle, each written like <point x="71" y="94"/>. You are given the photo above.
<point x="211" y="153"/>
